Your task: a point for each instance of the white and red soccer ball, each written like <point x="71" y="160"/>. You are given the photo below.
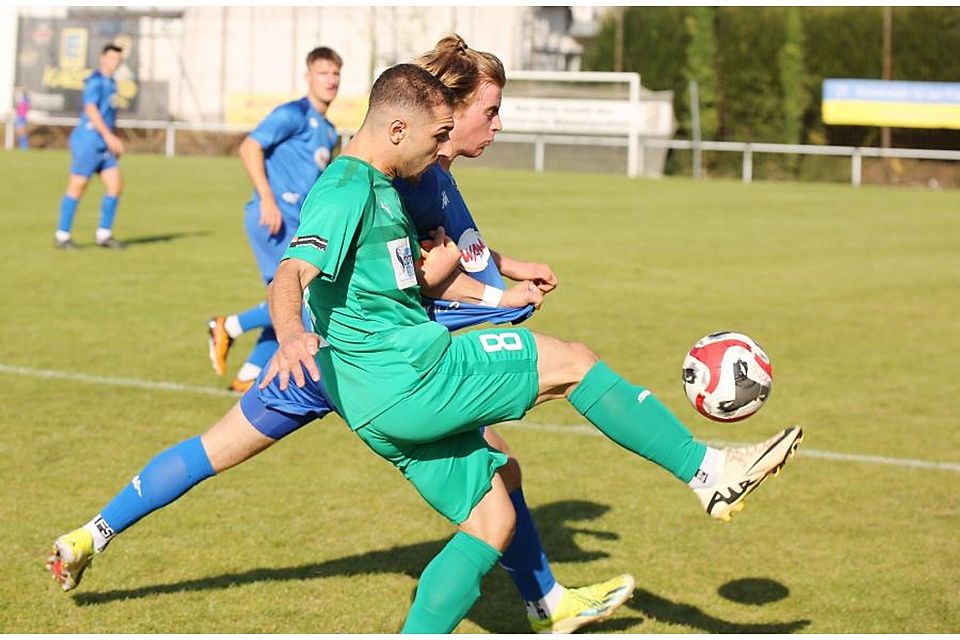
<point x="727" y="376"/>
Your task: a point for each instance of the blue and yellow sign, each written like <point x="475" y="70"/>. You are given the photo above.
<point x="886" y="103"/>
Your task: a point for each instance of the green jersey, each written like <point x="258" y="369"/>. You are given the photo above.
<point x="366" y="301"/>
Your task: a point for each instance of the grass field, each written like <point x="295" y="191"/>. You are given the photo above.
<point x="853" y="293"/>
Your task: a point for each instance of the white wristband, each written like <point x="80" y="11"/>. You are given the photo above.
<point x="491" y="296"/>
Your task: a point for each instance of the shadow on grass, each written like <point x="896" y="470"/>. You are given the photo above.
<point x="498" y="610"/>
<point x="163" y="237"/>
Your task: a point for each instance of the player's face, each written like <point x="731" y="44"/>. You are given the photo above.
<point x="110" y="61"/>
<point x="427" y="140"/>
<point x="323" y="80"/>
<point x="478" y="122"/>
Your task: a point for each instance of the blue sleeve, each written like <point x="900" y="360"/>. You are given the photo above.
<point x="282" y="123"/>
<point x="91" y="91"/>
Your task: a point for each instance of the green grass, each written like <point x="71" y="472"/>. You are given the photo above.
<point x="853" y="293"/>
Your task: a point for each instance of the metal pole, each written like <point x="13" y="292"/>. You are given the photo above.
<point x="171" y="141"/>
<point x="538" y="153"/>
<point x="695" y="127"/>
<point x="887" y="64"/>
<point x="747" y="164"/>
<point x="8" y="133"/>
<point x="856" y="167"/>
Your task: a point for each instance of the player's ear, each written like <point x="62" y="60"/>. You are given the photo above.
<point x="397" y="130"/>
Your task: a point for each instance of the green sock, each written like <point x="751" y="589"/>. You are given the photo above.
<point x="632" y="417"/>
<point x="450" y="585"/>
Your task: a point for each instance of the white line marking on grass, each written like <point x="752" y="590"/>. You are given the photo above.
<point x="578" y="429"/>
<point x="116" y="382"/>
<point x="582" y="429"/>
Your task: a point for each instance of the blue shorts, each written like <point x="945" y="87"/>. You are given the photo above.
<point x="276" y="413"/>
<point x="268" y="249"/>
<point x="88" y="159"/>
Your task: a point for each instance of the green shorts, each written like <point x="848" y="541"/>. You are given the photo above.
<point x="432" y="436"/>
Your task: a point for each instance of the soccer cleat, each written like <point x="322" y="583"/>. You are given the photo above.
<point x="585" y="605"/>
<point x="68" y="244"/>
<point x="745" y="469"/>
<point x="111" y="243"/>
<point x="219" y="343"/>
<point x="241" y="386"/>
<point x="69" y="558"/>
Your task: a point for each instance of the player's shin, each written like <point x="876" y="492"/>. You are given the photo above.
<point x="450" y="585"/>
<point x="635" y="419"/>
<point x="165" y="478"/>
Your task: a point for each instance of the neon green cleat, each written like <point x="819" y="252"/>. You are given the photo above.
<point x="585" y="605"/>
<point x="69" y="558"/>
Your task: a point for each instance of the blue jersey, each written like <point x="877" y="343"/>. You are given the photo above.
<point x="298" y="143"/>
<point x="435" y="201"/>
<point x="100" y="91"/>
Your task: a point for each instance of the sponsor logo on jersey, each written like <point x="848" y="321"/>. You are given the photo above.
<point x="474" y="254"/>
<point x="309" y="241"/>
<point x="314" y="123"/>
<point x="402" y="260"/>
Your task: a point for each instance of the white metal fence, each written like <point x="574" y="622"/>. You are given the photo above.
<point x="540" y="142"/>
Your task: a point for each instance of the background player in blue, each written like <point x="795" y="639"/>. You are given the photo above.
<point x="283" y="156"/>
<point x="264" y="416"/>
<point x="94" y="148"/>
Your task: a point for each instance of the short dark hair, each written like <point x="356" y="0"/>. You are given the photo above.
<point x="324" y="53"/>
<point x="410" y="87"/>
<point x="111" y="47"/>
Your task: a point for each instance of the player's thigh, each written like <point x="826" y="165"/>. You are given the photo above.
<point x="112" y="180"/>
<point x="493" y="519"/>
<point x="561" y="365"/>
<point x="510" y="472"/>
<point x="76" y="185"/>
<point x="452" y="474"/>
<point x="484" y="377"/>
<point x="232" y="440"/>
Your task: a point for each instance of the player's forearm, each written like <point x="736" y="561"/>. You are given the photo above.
<point x="251" y="155"/>
<point x="507" y="265"/>
<point x="459" y="287"/>
<point x="97" y="120"/>
<point x="285" y="297"/>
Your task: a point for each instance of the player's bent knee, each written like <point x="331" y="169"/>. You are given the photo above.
<point x="511" y="475"/>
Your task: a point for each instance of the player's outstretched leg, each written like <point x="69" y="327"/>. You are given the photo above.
<point x="263" y="350"/>
<point x="635" y="419"/>
<point x="225" y="329"/>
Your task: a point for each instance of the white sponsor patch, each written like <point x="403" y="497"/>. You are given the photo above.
<point x="402" y="260"/>
<point x="474" y="254"/>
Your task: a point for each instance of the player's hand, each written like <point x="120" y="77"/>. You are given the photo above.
<point x="295" y="353"/>
<point x="270" y="216"/>
<point x="114" y="144"/>
<point x="443" y="255"/>
<point x="522" y="294"/>
<point x="540" y="274"/>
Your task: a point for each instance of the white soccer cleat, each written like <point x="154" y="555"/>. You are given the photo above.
<point x="745" y="469"/>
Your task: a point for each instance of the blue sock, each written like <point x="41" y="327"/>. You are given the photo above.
<point x="68" y="208"/>
<point x="264" y="349"/>
<point x="108" y="209"/>
<point x="165" y="478"/>
<point x="525" y="560"/>
<point x="255" y="317"/>
<point x="24" y="143"/>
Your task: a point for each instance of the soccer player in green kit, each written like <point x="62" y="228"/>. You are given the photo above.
<point x="416" y="395"/>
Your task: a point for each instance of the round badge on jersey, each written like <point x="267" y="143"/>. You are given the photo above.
<point x="322" y="157"/>
<point x="474" y="254"/>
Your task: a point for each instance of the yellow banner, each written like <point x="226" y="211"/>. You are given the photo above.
<point x="892" y="114"/>
<point x="248" y="109"/>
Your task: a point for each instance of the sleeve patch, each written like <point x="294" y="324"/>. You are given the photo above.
<point x="309" y="241"/>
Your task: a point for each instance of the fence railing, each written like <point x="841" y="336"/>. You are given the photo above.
<point x="540" y="142"/>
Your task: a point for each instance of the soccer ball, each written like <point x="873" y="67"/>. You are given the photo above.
<point x="727" y="376"/>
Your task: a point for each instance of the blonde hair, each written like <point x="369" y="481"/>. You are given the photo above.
<point x="461" y="68"/>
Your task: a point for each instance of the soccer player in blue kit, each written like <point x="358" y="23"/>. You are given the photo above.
<point x="283" y="156"/>
<point x="94" y="148"/>
<point x="263" y="416"/>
